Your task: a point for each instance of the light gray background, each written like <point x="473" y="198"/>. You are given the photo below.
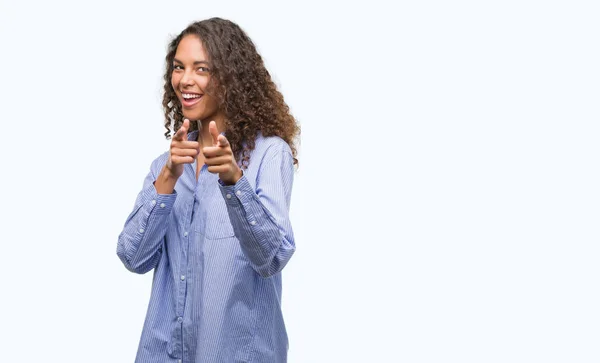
<point x="446" y="207"/>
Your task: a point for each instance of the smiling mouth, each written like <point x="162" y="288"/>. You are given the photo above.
<point x="190" y="99"/>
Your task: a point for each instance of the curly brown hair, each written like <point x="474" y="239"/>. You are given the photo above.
<point x="241" y="84"/>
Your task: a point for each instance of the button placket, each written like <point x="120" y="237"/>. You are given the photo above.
<point x="183" y="261"/>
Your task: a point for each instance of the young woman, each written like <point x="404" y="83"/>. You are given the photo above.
<point x="212" y="216"/>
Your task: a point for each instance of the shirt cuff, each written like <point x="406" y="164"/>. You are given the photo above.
<point x="158" y="203"/>
<point x="238" y="193"/>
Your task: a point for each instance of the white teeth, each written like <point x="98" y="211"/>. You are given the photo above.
<point x="188" y="96"/>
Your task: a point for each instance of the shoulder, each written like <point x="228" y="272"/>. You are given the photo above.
<point x="270" y="152"/>
<point x="269" y="146"/>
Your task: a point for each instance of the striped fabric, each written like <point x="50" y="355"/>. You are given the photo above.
<point x="217" y="253"/>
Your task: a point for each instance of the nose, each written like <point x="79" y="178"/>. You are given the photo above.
<point x="186" y="79"/>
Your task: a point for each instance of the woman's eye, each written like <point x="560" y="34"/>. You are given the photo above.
<point x="178" y="67"/>
<point x="203" y="69"/>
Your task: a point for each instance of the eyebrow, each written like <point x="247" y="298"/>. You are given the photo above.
<point x="195" y="63"/>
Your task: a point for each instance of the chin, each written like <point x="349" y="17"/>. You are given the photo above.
<point x="192" y="116"/>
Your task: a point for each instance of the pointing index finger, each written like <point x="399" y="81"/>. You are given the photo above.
<point x="181" y="134"/>
<point x="214" y="132"/>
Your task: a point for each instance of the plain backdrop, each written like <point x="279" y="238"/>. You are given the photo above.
<point x="446" y="206"/>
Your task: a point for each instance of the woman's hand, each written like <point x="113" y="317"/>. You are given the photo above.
<point x="182" y="151"/>
<point x="219" y="157"/>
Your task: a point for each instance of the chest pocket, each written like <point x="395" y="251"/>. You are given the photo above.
<point x="213" y="220"/>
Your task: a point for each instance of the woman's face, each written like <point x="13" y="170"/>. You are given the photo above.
<point x="190" y="77"/>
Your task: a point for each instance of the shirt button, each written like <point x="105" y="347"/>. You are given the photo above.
<point x="153" y="202"/>
<point x="228" y="196"/>
<point x="185" y="234"/>
<point x="238" y="193"/>
<point x="162" y="205"/>
<point x="253" y="222"/>
<point x="180" y="319"/>
<point x="182" y="277"/>
<point x="141" y="230"/>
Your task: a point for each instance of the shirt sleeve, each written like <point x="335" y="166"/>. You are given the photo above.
<point x="260" y="217"/>
<point x="140" y="243"/>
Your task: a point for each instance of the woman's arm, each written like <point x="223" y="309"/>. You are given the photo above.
<point x="140" y="243"/>
<point x="260" y="217"/>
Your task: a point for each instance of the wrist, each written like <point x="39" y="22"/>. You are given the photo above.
<point x="237" y="175"/>
<point x="165" y="182"/>
<point x="167" y="175"/>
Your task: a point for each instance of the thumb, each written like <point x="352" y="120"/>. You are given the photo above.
<point x="214" y="132"/>
<point x="223" y="142"/>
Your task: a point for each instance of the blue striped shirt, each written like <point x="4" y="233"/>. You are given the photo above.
<point x="217" y="252"/>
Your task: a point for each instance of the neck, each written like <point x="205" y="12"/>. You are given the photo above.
<point x="204" y="136"/>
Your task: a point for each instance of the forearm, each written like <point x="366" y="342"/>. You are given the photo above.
<point x="165" y="182"/>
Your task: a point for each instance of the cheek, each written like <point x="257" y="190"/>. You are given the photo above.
<point x="202" y="82"/>
<point x="174" y="80"/>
